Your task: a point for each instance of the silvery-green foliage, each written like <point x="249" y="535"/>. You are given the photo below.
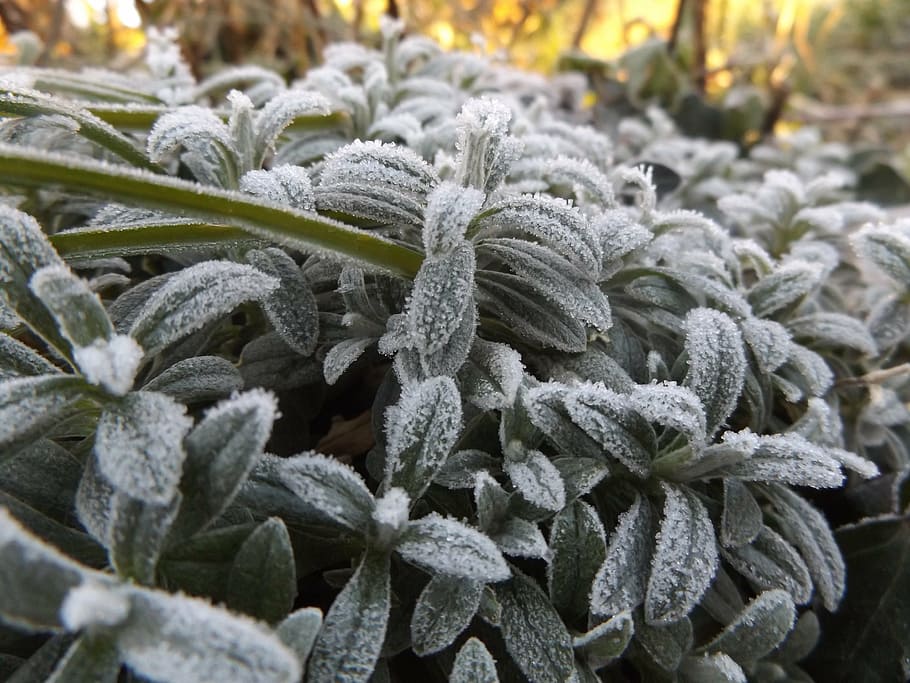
<point x="285" y="184"/>
<point x="474" y="664"/>
<point x="194" y="380"/>
<point x="299" y="630"/>
<point x="443" y="610"/>
<point x="578" y="550"/>
<point x="769" y="561"/>
<point x="263" y="582"/>
<point x="485" y="148"/>
<point x="621" y="580"/>
<point x="29" y="406"/>
<point x="607" y="641"/>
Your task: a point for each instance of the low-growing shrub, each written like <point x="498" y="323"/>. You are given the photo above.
<point x="404" y="373"/>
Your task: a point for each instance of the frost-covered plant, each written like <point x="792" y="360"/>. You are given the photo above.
<point x="420" y="380"/>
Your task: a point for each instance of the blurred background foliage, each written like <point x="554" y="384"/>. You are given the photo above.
<point x="733" y="69"/>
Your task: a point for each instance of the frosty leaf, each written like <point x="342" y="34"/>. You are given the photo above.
<point x="262" y="582"/>
<point x="741" y="520"/>
<point x="341" y="356"/>
<point x="111" y="363"/>
<point x="442" y="291"/>
<point x="769" y="341"/>
<point x="812" y="373"/>
<point x="354" y="628"/>
<point x="77" y="310"/>
<point x="889" y="321"/>
<point x="30" y="405"/>
<point x="209" y="150"/>
<point x="578" y="550"/>
<point x="491" y="500"/>
<point x="220" y="453"/>
<point x="619" y="584"/>
<point x="770" y="562"/>
<point x="536" y="479"/>
<point x="299" y="631"/>
<point x="789" y="283"/>
<point x="292" y="307"/>
<point x="760" y="628"/>
<point x="485" y="148"/>
<point x="285" y="184"/>
<point x="580" y="475"/>
<point x="534" y="634"/>
<point x="88" y="659"/>
<point x="446" y="546"/>
<point x="668" y="644"/>
<point x="518" y="537"/>
<point x="491" y="376"/>
<point x="34" y="578"/>
<point x="833" y="329"/>
<point x="194" y="297"/>
<point x="460" y="469"/>
<point x="791" y="459"/>
<point x="450" y="208"/>
<point x="194" y="380"/>
<point x="19" y="360"/>
<point x="808" y="530"/>
<point x="619" y="235"/>
<point x="139" y="445"/>
<point x="421" y="430"/>
<point x="605" y="416"/>
<point x="607" y="641"/>
<point x="473" y="664"/>
<point x="334" y="490"/>
<point x="685" y="558"/>
<point x="443" y="610"/>
<point x="888" y="247"/>
<point x="717" y="363"/>
<point x="716" y="668"/>
<point x="554" y="277"/>
<point x="449" y="358"/>
<point x="280" y="111"/>
<point x="670" y="406"/>
<point x="179" y="639"/>
<point x="584" y="179"/>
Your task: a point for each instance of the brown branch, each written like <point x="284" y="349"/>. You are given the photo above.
<point x="586" y="16"/>
<point x="677" y="26"/>
<point x="806" y="111"/>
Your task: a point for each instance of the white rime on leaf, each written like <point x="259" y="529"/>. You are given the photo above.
<point x="620" y="582"/>
<point x="577" y="551"/>
<point x="717" y="363"/>
<point x="813" y="370"/>
<point x="718" y="667"/>
<point x="443" y="610"/>
<point x="888" y="247"/>
<point x="668" y="644"/>
<point x="671" y="406"/>
<point x="202" y="378"/>
<point x="341" y="356"/>
<point x="685" y="558"/>
<point x="761" y="627"/>
<point x="299" y="630"/>
<point x="195" y="296"/>
<point x="537" y="480"/>
<point x="442" y="291"/>
<point x="770" y="562"/>
<point x="390" y="517"/>
<point x="35" y="579"/>
<point x="491" y="500"/>
<point x="19" y="360"/>
<point x="789" y="282"/>
<point x="473" y="664"/>
<point x="485" y="148"/>
<point x="285" y="184"/>
<point x="741" y="519"/>
<point x="607" y="641"/>
<point x="534" y="635"/>
<point x="833" y="329"/>
<point x="92" y="604"/>
<point x="421" y="430"/>
<point x="447" y="546"/>
<point x="461" y="468"/>
<point x="353" y="631"/>
<point x="333" y="489"/>
<point x="281" y="110"/>
<point x="450" y="208"/>
<point x="178" y="639"/>
<point x="139" y="445"/>
<point x="77" y="309"/>
<point x="110" y="363"/>
<point x="518" y="537"/>
<point x="491" y="375"/>
<point x="791" y="459"/>
<point x="30" y="405"/>
<point x="769" y="341"/>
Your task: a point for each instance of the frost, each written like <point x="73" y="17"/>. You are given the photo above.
<point x="719" y="667"/>
<point x="587" y="182"/>
<point x="770" y="562"/>
<point x="390" y="516"/>
<point x="888" y="247"/>
<point x="139" y="445"/>
<point x="194" y="297"/>
<point x="341" y="356"/>
<point x="446" y="546"/>
<point x="473" y="664"/>
<point x="520" y="538"/>
<point x="31" y="405"/>
<point x="717" y="363"/>
<point x="443" y="610"/>
<point x="491" y="376"/>
<point x="485" y="148"/>
<point x="77" y="310"/>
<point x="577" y="551"/>
<point x="19" y="360"/>
<point x="621" y="581"/>
<point x="769" y="341"/>
<point x="814" y="373"/>
<point x="671" y="406"/>
<point x="460" y="469"/>
<point x="285" y="184"/>
<point x="833" y="329"/>
<point x="92" y="604"/>
<point x="299" y="630"/>
<point x="786" y="285"/>
<point x="761" y="627"/>
<point x="607" y="641"/>
<point x="202" y="378"/>
<point x="110" y="363"/>
<point x="280" y="112"/>
<point x="210" y="151"/>
<point x="450" y="208"/>
<point x="537" y="480"/>
<point x="685" y="558"/>
<point x="791" y="459"/>
<point x="334" y="490"/>
<point x="619" y="234"/>
<point x="741" y="519"/>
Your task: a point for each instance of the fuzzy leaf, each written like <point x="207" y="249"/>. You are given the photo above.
<point x="334" y="490"/>
<point x="262" y="582"/>
<point x="668" y="644"/>
<point x="769" y="341"/>
<point x="289" y="185"/>
<point x="450" y="209"/>
<point x="607" y="641"/>
<point x="88" y="659"/>
<point x="485" y="149"/>
<point x="447" y="546"/>
<point x="621" y="580"/>
<point x="19" y="360"/>
<point x="770" y="562"/>
<point x="717" y="363"/>
<point x="578" y="551"/>
<point x="537" y="480"/>
<point x="789" y="283"/>
<point x="194" y="297"/>
<point x="299" y="631"/>
<point x="685" y="558"/>
<point x="341" y="356"/>
<point x="421" y="430"/>
<point x="30" y="405"/>
<point x="199" y="379"/>
<point x="473" y="664"/>
<point x="671" y="406"/>
<point x="741" y="520"/>
<point x="791" y="459"/>
<point x="833" y="329"/>
<point x="221" y="451"/>
<point x="716" y="668"/>
<point x="491" y="376"/>
<point x="461" y="468"/>
<point x="534" y="634"/>
<point x="444" y="609"/>
<point x="292" y="307"/>
<point x="760" y="628"/>
<point x="139" y="445"/>
<point x="888" y="247"/>
<point x="354" y="628"/>
<point x="491" y="500"/>
<point x="281" y="110"/>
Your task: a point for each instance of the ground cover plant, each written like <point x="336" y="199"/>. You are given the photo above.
<point x="403" y="372"/>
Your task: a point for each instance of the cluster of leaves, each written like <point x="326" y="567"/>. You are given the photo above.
<point x="599" y="421"/>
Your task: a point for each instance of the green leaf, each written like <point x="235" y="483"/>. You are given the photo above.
<point x="354" y="628"/>
<point x="888" y="247"/>
<point x="139" y="445"/>
<point x="473" y="664"/>
<point x="29" y="406"/>
<point x="19" y="360"/>
<point x="534" y="634"/>
<point x="34" y="578"/>
<point x="90" y="658"/>
<point x="578" y="550"/>
<point x="220" y="453"/>
<point x="758" y="630"/>
<point x="299" y="631"/>
<point x="741" y="519"/>
<point x="620" y="582"/>
<point x="607" y="641"/>
<point x="263" y="582"/>
<point x="450" y="547"/>
<point x="716" y="668"/>
<point x="197" y="380"/>
<point x="666" y="645"/>
<point x="535" y="478"/>
<point x="443" y="610"/>
<point x="770" y="562"/>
